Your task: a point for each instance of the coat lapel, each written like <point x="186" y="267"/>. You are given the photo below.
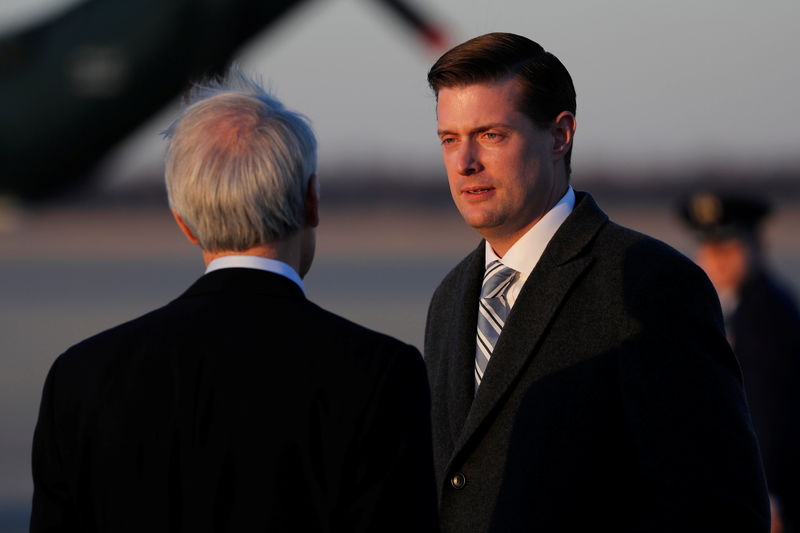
<point x="557" y="271"/>
<point x="461" y="385"/>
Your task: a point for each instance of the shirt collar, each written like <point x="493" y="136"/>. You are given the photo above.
<point x="256" y="262"/>
<point x="526" y="252"/>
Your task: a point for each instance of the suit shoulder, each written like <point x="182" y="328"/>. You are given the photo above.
<point x="653" y="274"/>
<point x="115" y="338"/>
<point x="626" y="239"/>
<point x="639" y="250"/>
<point x="369" y="361"/>
<point x="84" y="369"/>
<point x="343" y="334"/>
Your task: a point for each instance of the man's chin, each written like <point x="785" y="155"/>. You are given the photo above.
<point x="479" y="219"/>
<point x="484" y="226"/>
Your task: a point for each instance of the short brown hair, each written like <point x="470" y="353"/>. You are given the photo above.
<point x="547" y="87"/>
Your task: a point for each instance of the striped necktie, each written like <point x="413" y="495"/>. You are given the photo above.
<point x="492" y="313"/>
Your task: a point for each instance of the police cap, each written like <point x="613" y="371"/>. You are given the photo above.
<point x="723" y="215"/>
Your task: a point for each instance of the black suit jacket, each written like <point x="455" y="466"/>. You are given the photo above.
<point x="240" y="406"/>
<point x="612" y="401"/>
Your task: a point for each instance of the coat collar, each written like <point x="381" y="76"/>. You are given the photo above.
<point x="560" y="266"/>
<point x="244" y="280"/>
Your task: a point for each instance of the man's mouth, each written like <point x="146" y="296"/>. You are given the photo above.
<point x="478" y="190"/>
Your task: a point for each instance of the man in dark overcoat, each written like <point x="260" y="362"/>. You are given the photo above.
<point x="581" y="379"/>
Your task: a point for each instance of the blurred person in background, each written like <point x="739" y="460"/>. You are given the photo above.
<point x="240" y="405"/>
<point x="763" y="326"/>
<point x="581" y="380"/>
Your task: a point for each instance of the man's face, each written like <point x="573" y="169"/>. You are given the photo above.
<point x="725" y="262"/>
<point x="501" y="167"/>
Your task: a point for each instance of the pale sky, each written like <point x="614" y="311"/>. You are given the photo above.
<point x="661" y="85"/>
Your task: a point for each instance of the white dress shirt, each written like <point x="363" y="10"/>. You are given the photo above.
<point x="526" y="252"/>
<point x="257" y="262"/>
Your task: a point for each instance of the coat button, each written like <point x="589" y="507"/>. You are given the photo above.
<point x="458" y="481"/>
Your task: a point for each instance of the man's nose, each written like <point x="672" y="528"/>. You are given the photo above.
<point x="468" y="161"/>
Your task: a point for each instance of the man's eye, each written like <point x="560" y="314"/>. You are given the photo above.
<point x="448" y="140"/>
<point x="492" y="136"/>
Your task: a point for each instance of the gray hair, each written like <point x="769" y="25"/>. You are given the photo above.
<point x="238" y="165"/>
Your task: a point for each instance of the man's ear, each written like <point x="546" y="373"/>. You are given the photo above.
<point x="312" y="202"/>
<point x="563" y="130"/>
<point x="184" y="228"/>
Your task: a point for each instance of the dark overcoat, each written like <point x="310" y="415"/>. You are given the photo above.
<point x="612" y="401"/>
<point x="765" y="332"/>
<point x="240" y="406"/>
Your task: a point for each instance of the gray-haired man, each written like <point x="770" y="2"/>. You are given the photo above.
<point x="239" y="406"/>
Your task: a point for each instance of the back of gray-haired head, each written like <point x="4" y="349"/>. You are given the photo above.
<point x="238" y="165"/>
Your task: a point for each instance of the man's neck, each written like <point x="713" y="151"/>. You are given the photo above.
<point x="502" y="243"/>
<point x="286" y="251"/>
